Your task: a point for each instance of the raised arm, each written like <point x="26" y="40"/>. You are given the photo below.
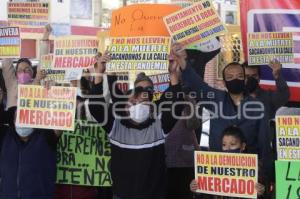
<point x="196" y="83"/>
<point x="98" y="108"/>
<point x="167" y="103"/>
<point x="9" y="75"/>
<point x="281" y="96"/>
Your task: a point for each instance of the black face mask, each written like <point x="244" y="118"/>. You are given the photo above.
<point x="235" y="86"/>
<point x="252" y="84"/>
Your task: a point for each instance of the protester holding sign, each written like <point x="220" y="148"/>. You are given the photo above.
<point x="233" y="141"/>
<point x="69" y="186"/>
<point x="137" y="135"/>
<point x="23" y="74"/>
<point x="231" y="108"/>
<point x="28" y="162"/>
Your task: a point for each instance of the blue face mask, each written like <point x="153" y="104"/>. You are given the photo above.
<point x="24" y="132"/>
<point x="238" y="150"/>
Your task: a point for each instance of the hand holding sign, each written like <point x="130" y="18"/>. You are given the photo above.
<point x="40" y="74"/>
<point x="101" y="66"/>
<point x="178" y="54"/>
<point x="276" y="66"/>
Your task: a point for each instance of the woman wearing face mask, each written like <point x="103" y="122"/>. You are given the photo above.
<point x="23" y="73"/>
<point x="233" y="141"/>
<point x="137" y="134"/>
<point x="28" y="162"/>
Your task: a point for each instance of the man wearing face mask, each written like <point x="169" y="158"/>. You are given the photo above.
<point x="137" y="134"/>
<point x="28" y="162"/>
<point x="232" y="107"/>
<point x="271" y="99"/>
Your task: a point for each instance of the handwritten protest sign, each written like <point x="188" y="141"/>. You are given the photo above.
<point x="198" y="22"/>
<point x="39" y="107"/>
<point x="28" y="14"/>
<point x="139" y="54"/>
<point x="10" y="42"/>
<point x="74" y="52"/>
<point x="51" y="75"/>
<point x="264" y="47"/>
<point x="288" y="137"/>
<point x="140" y="20"/>
<point x="84" y="156"/>
<point x="287" y="179"/>
<point x="226" y="174"/>
<point x="161" y="83"/>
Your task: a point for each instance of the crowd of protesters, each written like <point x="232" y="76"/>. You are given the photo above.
<point x="152" y="151"/>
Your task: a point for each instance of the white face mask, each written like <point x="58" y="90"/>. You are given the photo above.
<point x="24" y="132"/>
<point x="139" y="112"/>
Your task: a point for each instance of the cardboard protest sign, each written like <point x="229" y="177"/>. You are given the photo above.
<point x="226" y="174"/>
<point x="39" y="107"/>
<point x="288" y="137"/>
<point x="51" y="75"/>
<point x="147" y="54"/>
<point x="83" y="156"/>
<point x="198" y="22"/>
<point x="161" y="83"/>
<point x="140" y="20"/>
<point x="264" y="47"/>
<point x="287" y="179"/>
<point x="10" y="42"/>
<point x="28" y="14"/>
<point x="74" y="52"/>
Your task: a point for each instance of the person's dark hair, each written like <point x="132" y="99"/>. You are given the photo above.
<point x="256" y="67"/>
<point x="231" y="64"/>
<point x="142" y="77"/>
<point x="235" y="132"/>
<point x="26" y="60"/>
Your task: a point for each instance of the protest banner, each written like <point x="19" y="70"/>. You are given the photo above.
<point x="10" y="42"/>
<point x="141" y="20"/>
<point x="161" y="83"/>
<point x="198" y="22"/>
<point x="287" y="179"/>
<point x="51" y="75"/>
<point x="264" y="47"/>
<point x="83" y="156"/>
<point x="74" y="52"/>
<point x="226" y="174"/>
<point x="39" y="107"/>
<point x="143" y="54"/>
<point x="28" y="14"/>
<point x="288" y="137"/>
